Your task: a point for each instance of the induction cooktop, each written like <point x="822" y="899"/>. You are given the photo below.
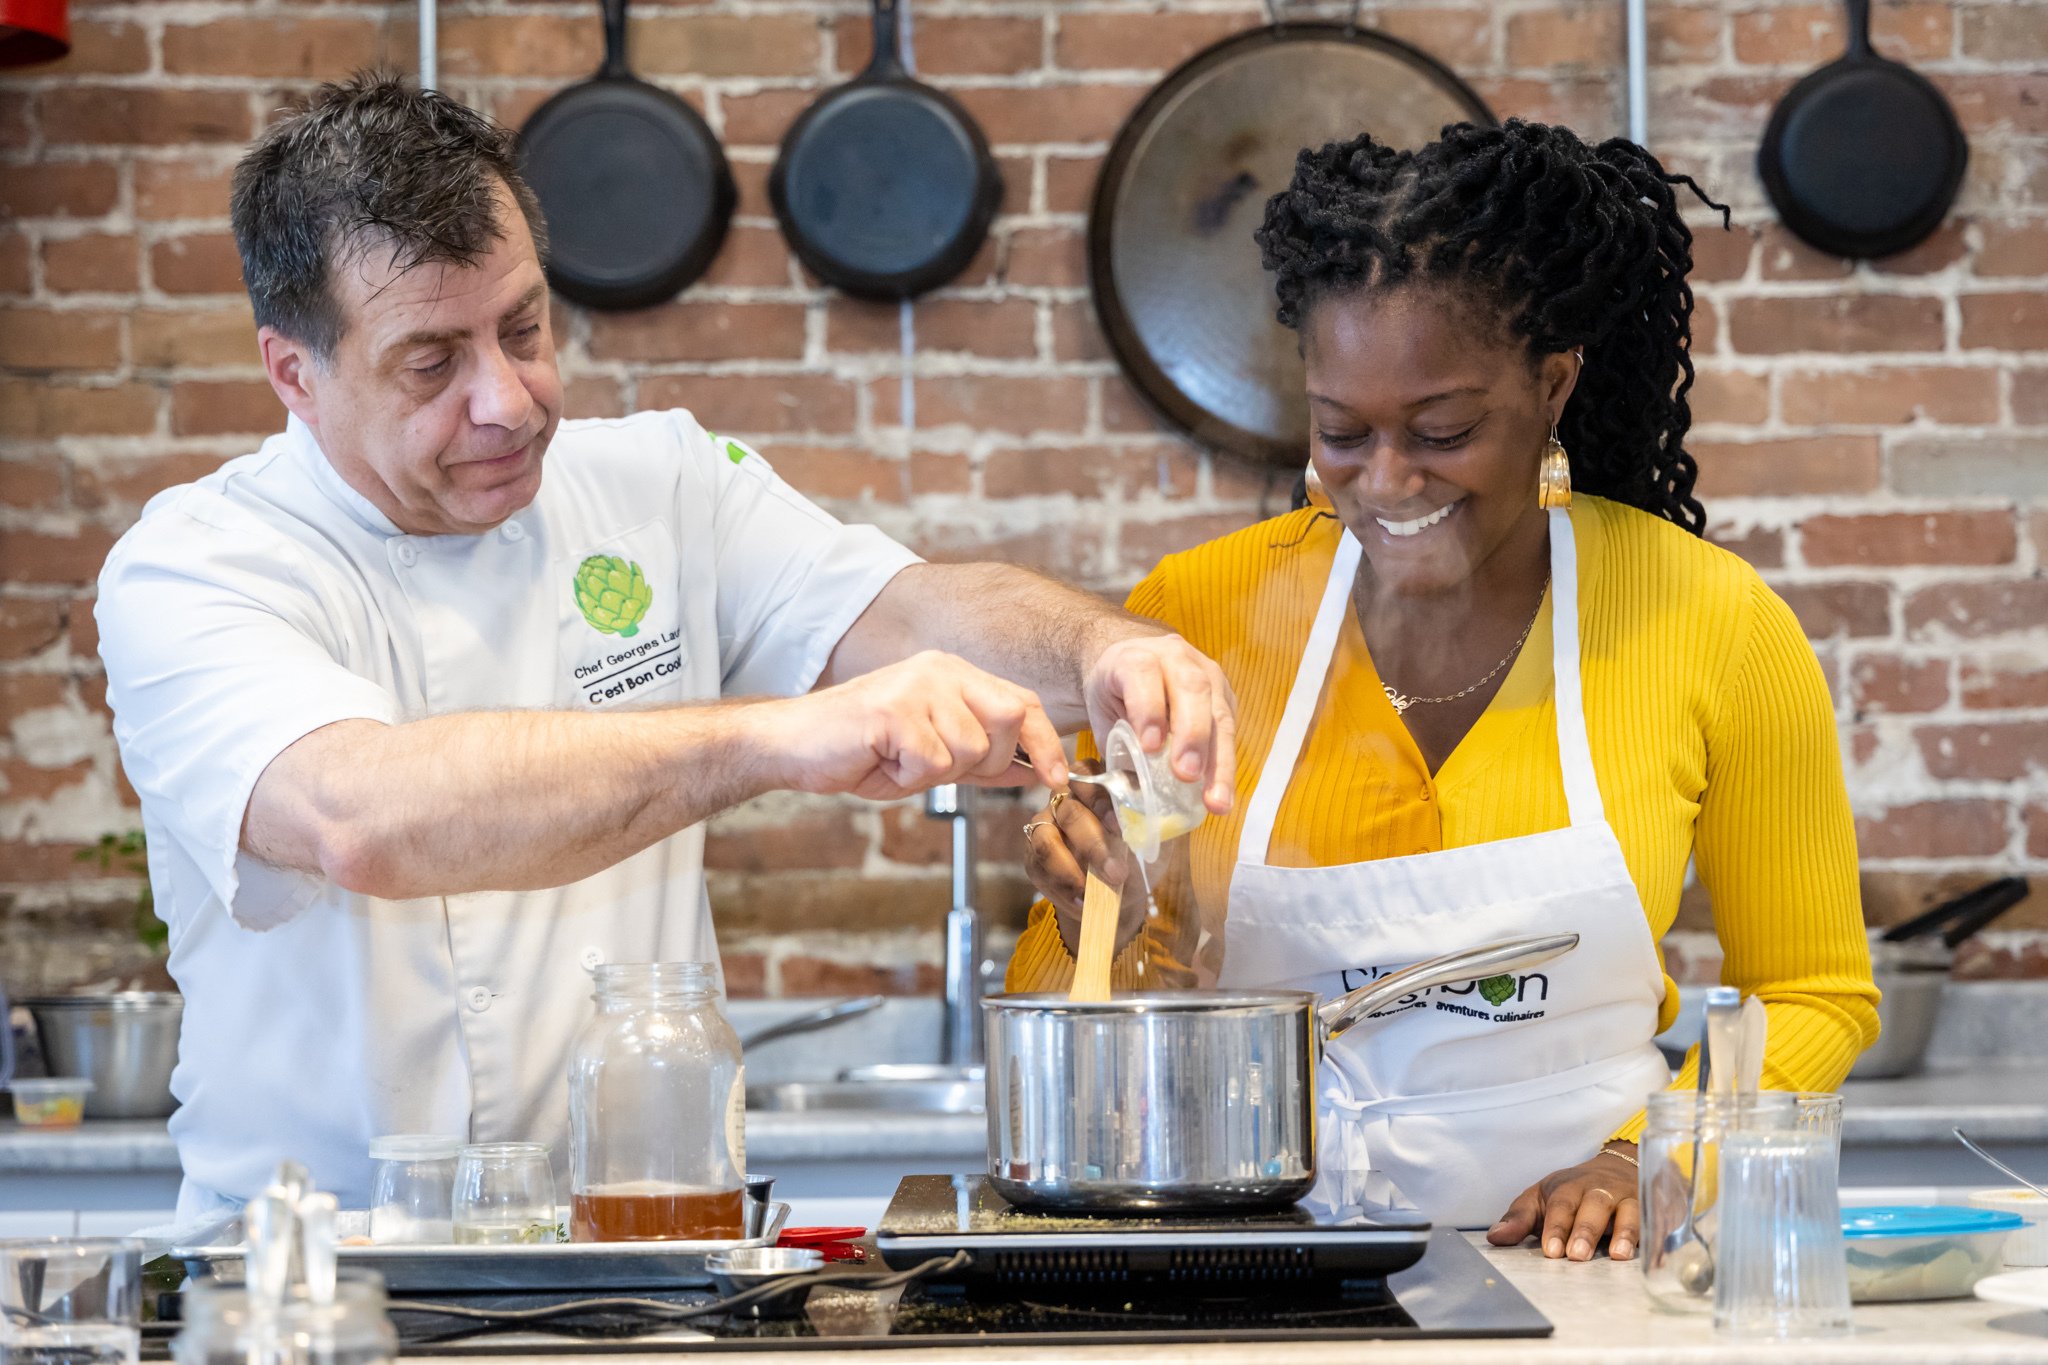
<point x="1307" y="1245"/>
<point x="1313" y="1272"/>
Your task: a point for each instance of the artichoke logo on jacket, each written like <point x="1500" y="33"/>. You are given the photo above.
<point x="613" y="594"/>
<point x="736" y="451"/>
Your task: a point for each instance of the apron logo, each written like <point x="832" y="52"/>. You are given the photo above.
<point x="1497" y="988"/>
<point x="613" y="594"/>
<point x="1532" y="988"/>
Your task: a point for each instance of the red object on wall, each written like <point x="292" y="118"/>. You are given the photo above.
<point x="33" y="31"/>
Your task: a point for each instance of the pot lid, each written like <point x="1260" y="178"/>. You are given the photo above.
<point x="1935" y="1220"/>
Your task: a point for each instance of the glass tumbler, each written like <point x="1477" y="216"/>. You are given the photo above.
<point x="1666" y="1184"/>
<point x="413" y="1193"/>
<point x="504" y="1195"/>
<point x="217" y="1327"/>
<point x="1820" y="1113"/>
<point x="1779" y="1269"/>
<point x="70" y="1300"/>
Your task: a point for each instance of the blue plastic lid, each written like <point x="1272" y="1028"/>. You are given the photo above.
<point x="1932" y="1220"/>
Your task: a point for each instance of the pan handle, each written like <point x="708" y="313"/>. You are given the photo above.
<point x="887" y="61"/>
<point x="1470" y="964"/>
<point x="1859" y="28"/>
<point x="615" y="67"/>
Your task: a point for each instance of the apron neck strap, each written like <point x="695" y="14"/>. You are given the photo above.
<point x="1581" y="788"/>
<point x="1574" y="752"/>
<point x="1257" y="834"/>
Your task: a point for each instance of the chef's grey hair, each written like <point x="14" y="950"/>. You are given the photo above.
<point x="370" y="163"/>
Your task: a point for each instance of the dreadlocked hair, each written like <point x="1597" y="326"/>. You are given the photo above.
<point x="1573" y="245"/>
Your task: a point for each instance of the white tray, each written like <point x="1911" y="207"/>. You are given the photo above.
<point x="449" y="1268"/>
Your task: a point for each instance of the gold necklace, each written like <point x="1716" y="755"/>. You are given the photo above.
<point x="1402" y="703"/>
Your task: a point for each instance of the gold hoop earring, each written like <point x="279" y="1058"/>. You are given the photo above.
<point x="1313" y="479"/>
<point x="1554" y="476"/>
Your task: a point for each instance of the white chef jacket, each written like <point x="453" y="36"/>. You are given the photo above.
<point x="269" y="599"/>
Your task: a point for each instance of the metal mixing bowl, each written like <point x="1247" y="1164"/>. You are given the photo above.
<point x="127" y="1043"/>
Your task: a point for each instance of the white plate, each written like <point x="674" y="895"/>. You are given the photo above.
<point x="2027" y="1288"/>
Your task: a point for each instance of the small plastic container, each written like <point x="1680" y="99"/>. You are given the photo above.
<point x="413" y="1198"/>
<point x="2028" y="1246"/>
<point x="1936" y="1252"/>
<point x="51" y="1102"/>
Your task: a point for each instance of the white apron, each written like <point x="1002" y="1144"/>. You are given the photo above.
<point x="1465" y="1095"/>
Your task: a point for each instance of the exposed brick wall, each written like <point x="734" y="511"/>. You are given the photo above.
<point x="1874" y="438"/>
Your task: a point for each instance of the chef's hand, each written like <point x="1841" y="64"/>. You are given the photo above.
<point x="1071" y="835"/>
<point x="1171" y="693"/>
<point x="1570" y="1210"/>
<point x="931" y="719"/>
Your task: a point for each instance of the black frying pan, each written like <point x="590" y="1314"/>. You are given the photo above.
<point x="636" y="190"/>
<point x="1863" y="157"/>
<point x="1182" y="298"/>
<point x="885" y="187"/>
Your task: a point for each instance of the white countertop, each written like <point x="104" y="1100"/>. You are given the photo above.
<point x="1993" y="1104"/>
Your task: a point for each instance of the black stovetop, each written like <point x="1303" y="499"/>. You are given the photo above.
<point x="1450" y="1291"/>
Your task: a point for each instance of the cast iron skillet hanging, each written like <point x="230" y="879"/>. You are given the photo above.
<point x="1178" y="287"/>
<point x="635" y="188"/>
<point x="1863" y="157"/>
<point x="885" y="187"/>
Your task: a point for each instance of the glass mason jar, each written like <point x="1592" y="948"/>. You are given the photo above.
<point x="1666" y="1184"/>
<point x="657" y="1110"/>
<point x="412" y="1193"/>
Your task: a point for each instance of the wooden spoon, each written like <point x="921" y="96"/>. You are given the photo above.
<point x="1100" y="907"/>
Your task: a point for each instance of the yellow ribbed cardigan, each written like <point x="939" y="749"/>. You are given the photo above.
<point x="1711" y="731"/>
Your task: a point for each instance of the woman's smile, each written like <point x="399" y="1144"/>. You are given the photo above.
<point x="1420" y="524"/>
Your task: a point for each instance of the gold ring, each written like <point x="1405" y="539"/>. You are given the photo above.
<point x="1035" y="824"/>
<point x="1054" y="804"/>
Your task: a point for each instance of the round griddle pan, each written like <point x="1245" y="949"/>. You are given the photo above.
<point x="1863" y="157"/>
<point x="635" y="188"/>
<point x="1183" y="300"/>
<point x="885" y="187"/>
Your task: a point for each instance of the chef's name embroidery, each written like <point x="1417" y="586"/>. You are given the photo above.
<point x="1496" y="991"/>
<point x="625" y="671"/>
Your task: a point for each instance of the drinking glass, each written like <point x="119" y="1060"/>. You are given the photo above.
<point x="218" y="1328"/>
<point x="504" y="1194"/>
<point x="1820" y="1112"/>
<point x="1666" y="1183"/>
<point x="70" y="1300"/>
<point x="1779" y="1269"/>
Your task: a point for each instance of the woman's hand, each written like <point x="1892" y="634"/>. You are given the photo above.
<point x="1570" y="1209"/>
<point x="1070" y="836"/>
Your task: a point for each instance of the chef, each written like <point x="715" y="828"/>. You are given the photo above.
<point x="426" y="700"/>
<point x="1494" y="684"/>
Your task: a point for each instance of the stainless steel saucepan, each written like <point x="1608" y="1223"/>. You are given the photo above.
<point x="1182" y="1100"/>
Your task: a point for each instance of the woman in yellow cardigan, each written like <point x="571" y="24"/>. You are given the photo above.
<point x="1466" y="714"/>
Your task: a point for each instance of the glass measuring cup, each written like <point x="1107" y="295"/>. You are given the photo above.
<point x="1154" y="806"/>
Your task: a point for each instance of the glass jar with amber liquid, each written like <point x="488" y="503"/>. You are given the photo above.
<point x="657" y="1110"/>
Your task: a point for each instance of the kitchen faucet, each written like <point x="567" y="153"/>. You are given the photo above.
<point x="960" y="1046"/>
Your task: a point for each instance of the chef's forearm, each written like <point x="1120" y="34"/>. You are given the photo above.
<point x="1020" y="625"/>
<point x="507" y="801"/>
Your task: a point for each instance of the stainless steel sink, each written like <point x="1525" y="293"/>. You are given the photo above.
<point x="884" y="1097"/>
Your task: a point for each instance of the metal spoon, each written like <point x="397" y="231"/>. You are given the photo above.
<point x="1999" y="1164"/>
<point x="1685" y="1250"/>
